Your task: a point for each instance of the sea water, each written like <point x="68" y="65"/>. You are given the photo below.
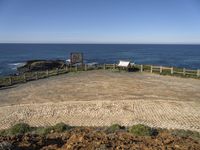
<point x="183" y="56"/>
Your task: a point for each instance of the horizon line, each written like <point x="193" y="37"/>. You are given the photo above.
<point x="98" y="43"/>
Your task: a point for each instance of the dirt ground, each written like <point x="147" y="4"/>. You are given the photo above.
<point x="86" y="138"/>
<point x="100" y="98"/>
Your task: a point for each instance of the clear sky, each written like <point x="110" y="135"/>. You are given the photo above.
<point x="100" y="21"/>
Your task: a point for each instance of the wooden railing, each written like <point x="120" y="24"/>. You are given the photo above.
<point x="169" y="70"/>
<point x="30" y="76"/>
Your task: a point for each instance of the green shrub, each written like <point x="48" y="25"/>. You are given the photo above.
<point x="3" y="132"/>
<point x="22" y="128"/>
<point x="60" y="127"/>
<point x="42" y="130"/>
<point x="186" y="133"/>
<point x="142" y="130"/>
<point x="114" y="128"/>
<point x="19" y="128"/>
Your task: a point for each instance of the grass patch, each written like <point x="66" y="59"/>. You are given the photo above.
<point x="17" y="129"/>
<point x="4" y="133"/>
<point x="113" y="128"/>
<point x="42" y="130"/>
<point x="22" y="128"/>
<point x="142" y="130"/>
<point x="186" y="133"/>
<point x="59" y="127"/>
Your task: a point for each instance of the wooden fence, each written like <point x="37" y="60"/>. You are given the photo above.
<point x="170" y="70"/>
<point x="30" y="76"/>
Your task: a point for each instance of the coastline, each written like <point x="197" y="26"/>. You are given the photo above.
<point x="180" y="56"/>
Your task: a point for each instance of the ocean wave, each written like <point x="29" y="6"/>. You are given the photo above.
<point x="14" y="66"/>
<point x="92" y="63"/>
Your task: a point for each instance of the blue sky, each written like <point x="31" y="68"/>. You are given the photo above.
<point x="100" y="21"/>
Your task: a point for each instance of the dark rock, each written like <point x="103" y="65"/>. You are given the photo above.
<point x="41" y="65"/>
<point x="6" y="146"/>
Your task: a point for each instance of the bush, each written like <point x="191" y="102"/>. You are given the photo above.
<point x="42" y="130"/>
<point x="3" y="132"/>
<point x="60" y="127"/>
<point x="186" y="133"/>
<point x="114" y="128"/>
<point x="22" y="128"/>
<point x="19" y="128"/>
<point x="142" y="130"/>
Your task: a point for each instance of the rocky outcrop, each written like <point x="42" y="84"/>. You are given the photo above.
<point x="40" y="65"/>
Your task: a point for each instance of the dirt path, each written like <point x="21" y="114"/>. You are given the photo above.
<point x="99" y="98"/>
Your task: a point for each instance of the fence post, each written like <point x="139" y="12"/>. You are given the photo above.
<point x="113" y="66"/>
<point x="198" y="73"/>
<point x="10" y="80"/>
<point x="47" y="73"/>
<point x="66" y="68"/>
<point x="104" y="66"/>
<point x="141" y="68"/>
<point x="70" y="68"/>
<point x="172" y="70"/>
<point x="36" y="75"/>
<point x="184" y="71"/>
<point x="85" y="67"/>
<point x="76" y="68"/>
<point x="24" y="75"/>
<point x="151" y="69"/>
<point x="161" y="69"/>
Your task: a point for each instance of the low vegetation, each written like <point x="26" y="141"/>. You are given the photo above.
<point x="186" y="134"/>
<point x="142" y="130"/>
<point x="62" y="136"/>
<point x="22" y="128"/>
<point x="136" y="130"/>
<point x="58" y="128"/>
<point x="114" y="128"/>
<point x="17" y="129"/>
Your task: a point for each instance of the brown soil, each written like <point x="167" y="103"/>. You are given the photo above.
<point x="99" y="139"/>
<point x="103" y="85"/>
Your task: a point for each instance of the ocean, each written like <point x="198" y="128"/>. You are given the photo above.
<point x="183" y="56"/>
